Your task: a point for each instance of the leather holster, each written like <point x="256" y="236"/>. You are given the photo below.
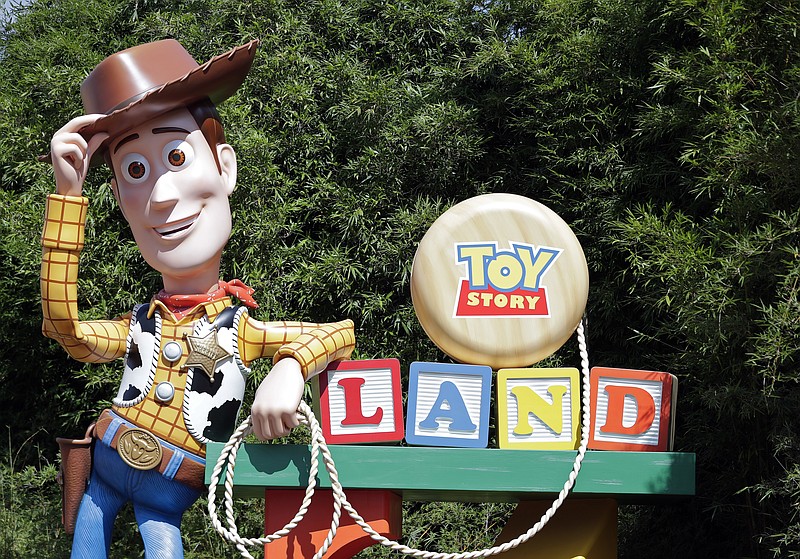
<point x="73" y="475"/>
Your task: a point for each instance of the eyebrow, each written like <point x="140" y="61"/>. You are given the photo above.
<point x="125" y="140"/>
<point x="161" y="130"/>
<point x="168" y="129"/>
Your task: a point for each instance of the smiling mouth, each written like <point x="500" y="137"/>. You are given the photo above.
<point x="171" y="230"/>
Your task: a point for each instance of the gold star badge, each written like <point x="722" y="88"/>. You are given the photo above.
<point x="206" y="352"/>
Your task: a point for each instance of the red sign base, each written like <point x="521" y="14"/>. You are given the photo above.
<point x="382" y="509"/>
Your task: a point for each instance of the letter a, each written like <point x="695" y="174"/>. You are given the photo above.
<point x="456" y="410"/>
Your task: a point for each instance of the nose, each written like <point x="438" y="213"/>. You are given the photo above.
<point x="165" y="192"/>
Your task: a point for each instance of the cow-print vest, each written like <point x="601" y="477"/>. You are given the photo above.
<point x="210" y="409"/>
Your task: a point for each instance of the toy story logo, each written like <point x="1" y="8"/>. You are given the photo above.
<point x="502" y="283"/>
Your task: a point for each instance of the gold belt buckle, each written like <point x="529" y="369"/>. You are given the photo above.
<point x="139" y="449"/>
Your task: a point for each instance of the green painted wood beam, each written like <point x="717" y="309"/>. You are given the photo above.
<point x="466" y="474"/>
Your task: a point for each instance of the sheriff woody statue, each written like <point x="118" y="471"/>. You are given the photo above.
<point x="150" y="115"/>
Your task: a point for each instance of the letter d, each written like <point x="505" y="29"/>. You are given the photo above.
<point x="645" y="410"/>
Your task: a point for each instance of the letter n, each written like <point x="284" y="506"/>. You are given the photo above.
<point x="529" y="402"/>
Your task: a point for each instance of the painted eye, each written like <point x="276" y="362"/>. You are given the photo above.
<point x="176" y="157"/>
<point x="178" y="154"/>
<point x="135" y="167"/>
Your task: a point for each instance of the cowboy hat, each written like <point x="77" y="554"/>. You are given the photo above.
<point x="140" y="83"/>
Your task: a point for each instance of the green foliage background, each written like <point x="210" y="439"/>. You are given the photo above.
<point x="664" y="131"/>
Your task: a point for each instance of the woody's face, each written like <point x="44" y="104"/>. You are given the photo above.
<point x="172" y="194"/>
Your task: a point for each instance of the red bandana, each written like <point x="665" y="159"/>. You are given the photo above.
<point x="179" y="305"/>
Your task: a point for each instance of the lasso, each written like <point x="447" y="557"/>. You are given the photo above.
<point x="318" y="445"/>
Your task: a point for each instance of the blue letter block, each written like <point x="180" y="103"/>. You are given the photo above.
<point x="448" y="405"/>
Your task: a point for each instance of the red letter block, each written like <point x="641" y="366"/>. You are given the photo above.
<point x="632" y="410"/>
<point x="360" y="401"/>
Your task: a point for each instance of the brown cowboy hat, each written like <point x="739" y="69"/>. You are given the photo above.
<point x="140" y="83"/>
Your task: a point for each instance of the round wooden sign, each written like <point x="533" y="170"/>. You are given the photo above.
<point x="499" y="280"/>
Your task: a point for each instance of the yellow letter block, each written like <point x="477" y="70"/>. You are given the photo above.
<point x="538" y="408"/>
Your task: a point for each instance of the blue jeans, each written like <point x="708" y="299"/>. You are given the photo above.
<point x="158" y="503"/>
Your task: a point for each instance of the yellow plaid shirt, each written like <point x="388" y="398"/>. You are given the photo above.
<point x="100" y="341"/>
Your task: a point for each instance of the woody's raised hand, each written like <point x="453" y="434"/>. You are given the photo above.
<point x="71" y="153"/>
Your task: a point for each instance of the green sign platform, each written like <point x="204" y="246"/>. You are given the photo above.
<point x="466" y="474"/>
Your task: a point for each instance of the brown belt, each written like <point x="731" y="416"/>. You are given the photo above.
<point x="142" y="450"/>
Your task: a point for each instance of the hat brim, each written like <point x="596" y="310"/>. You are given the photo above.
<point x="217" y="80"/>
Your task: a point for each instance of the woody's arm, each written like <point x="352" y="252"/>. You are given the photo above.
<point x="300" y="351"/>
<point x="62" y="241"/>
<point x="96" y="341"/>
<point x="312" y="345"/>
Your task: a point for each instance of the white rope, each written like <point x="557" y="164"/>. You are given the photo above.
<point x="318" y="445"/>
<point x="228" y="455"/>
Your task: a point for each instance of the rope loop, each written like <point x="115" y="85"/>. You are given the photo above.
<point x="319" y="446"/>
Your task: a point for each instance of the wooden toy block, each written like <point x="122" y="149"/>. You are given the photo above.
<point x="448" y="405"/>
<point x="538" y="408"/>
<point x="632" y="410"/>
<point x="360" y="401"/>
